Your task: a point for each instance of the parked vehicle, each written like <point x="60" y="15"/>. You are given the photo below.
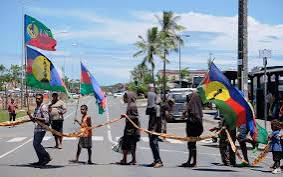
<point x="118" y="94"/>
<point x="179" y="95"/>
<point x="75" y="96"/>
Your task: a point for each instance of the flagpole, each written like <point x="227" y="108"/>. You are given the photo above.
<point x="27" y="93"/>
<point x="23" y="56"/>
<point x="78" y="99"/>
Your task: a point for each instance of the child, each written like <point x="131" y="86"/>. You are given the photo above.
<point x="223" y="142"/>
<point x="86" y="140"/>
<point x="275" y="145"/>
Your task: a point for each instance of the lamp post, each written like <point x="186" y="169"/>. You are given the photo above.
<point x="265" y="54"/>
<point x="180" y="73"/>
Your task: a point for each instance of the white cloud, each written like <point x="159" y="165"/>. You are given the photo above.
<point x="126" y="32"/>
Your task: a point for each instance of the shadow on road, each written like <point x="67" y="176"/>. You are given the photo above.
<point x="41" y="167"/>
<point x="213" y="170"/>
<point x="217" y="146"/>
<point x="263" y="171"/>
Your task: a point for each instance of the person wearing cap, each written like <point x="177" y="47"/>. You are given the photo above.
<point x="57" y="109"/>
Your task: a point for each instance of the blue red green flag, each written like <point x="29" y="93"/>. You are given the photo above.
<point x="38" y="35"/>
<point x="41" y="73"/>
<point x="89" y="85"/>
<point x="217" y="89"/>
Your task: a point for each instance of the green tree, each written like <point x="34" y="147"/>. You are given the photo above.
<point x="141" y="74"/>
<point x="168" y="38"/>
<point x="15" y="73"/>
<point x="2" y="71"/>
<point x="149" y="47"/>
<point x="160" y="81"/>
<point x="185" y="73"/>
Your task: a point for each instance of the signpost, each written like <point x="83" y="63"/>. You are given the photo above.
<point x="265" y="54"/>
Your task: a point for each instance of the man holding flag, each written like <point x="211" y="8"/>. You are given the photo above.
<point x="40" y="114"/>
<point x="237" y="112"/>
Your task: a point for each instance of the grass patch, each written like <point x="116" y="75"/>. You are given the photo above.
<point x="4" y="115"/>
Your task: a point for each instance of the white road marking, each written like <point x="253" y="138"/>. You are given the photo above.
<point x="46" y="138"/>
<point x="94" y="138"/>
<point x="145" y="139"/>
<point x="17" y="139"/>
<point x="3" y="155"/>
<point x="97" y="138"/>
<point x="206" y="141"/>
<point x="69" y="138"/>
<point x="9" y="152"/>
<point x="109" y="135"/>
<point x="175" y="141"/>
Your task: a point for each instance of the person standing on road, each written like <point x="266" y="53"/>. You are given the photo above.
<point x="57" y="109"/>
<point x="275" y="145"/>
<point x="194" y="126"/>
<point x="12" y="106"/>
<point x="223" y="141"/>
<point x="86" y="140"/>
<point x="154" y="124"/>
<point x="40" y="114"/>
<point x="131" y="134"/>
<point x="151" y="102"/>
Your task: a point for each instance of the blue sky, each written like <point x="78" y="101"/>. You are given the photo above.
<point x="104" y="33"/>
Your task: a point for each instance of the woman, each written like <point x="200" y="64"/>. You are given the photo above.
<point x="131" y="134"/>
<point x="194" y="126"/>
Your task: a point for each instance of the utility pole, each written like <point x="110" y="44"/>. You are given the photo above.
<point x="243" y="47"/>
<point x="265" y="54"/>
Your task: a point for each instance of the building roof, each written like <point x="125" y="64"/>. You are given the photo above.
<point x="191" y="71"/>
<point x="269" y="70"/>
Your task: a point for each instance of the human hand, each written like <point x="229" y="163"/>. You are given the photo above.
<point x="123" y="116"/>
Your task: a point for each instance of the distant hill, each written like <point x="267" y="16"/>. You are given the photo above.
<point x="114" y="88"/>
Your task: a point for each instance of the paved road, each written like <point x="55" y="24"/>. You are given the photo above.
<point x="17" y="152"/>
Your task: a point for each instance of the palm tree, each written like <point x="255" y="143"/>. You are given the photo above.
<point x="149" y="47"/>
<point x="169" y="40"/>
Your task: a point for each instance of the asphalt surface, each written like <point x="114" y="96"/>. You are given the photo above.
<point x="17" y="152"/>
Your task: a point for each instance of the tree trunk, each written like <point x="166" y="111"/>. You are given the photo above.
<point x="152" y="73"/>
<point x="164" y="78"/>
<point x="6" y="97"/>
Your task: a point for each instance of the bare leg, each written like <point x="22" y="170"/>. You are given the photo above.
<point x="60" y="141"/>
<point x="89" y="151"/>
<point x="56" y="141"/>
<point x="124" y="160"/>
<point x="78" y="153"/>
<point x="133" y="152"/>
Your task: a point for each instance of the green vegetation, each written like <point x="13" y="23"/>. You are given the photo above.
<point x="158" y="44"/>
<point x="4" y="115"/>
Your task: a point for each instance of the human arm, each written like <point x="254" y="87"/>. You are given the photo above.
<point x="77" y="121"/>
<point x="63" y="109"/>
<point x="89" y="121"/>
<point x="30" y="116"/>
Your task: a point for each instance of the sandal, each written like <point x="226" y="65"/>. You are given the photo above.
<point x="122" y="162"/>
<point x="133" y="163"/>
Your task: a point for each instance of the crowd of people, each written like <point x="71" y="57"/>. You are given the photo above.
<point x="157" y="111"/>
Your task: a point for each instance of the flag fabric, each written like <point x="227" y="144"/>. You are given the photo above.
<point x="217" y="89"/>
<point x="41" y="73"/>
<point x="89" y="85"/>
<point x="38" y="35"/>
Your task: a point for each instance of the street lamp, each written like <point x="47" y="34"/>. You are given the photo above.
<point x="265" y="54"/>
<point x="180" y="77"/>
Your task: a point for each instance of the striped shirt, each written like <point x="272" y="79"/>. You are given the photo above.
<point x="41" y="112"/>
